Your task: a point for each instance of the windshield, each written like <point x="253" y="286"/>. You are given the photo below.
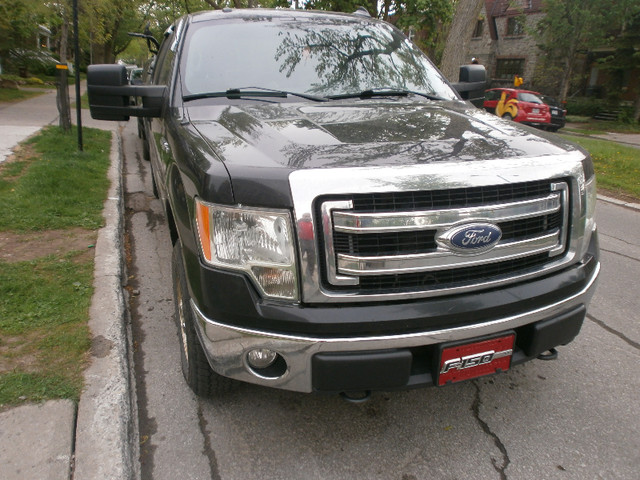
<point x="317" y="55"/>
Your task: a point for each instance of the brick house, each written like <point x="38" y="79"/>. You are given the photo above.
<point x="501" y="43"/>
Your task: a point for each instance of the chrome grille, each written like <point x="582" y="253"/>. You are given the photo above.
<point x="456" y="198"/>
<point x="391" y="242"/>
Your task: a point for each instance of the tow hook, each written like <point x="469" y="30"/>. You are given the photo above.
<point x="550" y="354"/>
<point x="356" y="397"/>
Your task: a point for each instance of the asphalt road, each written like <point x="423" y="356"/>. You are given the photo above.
<point x="574" y="418"/>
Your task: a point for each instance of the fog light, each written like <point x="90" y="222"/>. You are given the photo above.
<point x="261" y="358"/>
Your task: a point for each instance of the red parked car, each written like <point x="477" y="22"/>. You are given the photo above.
<point x="521" y="106"/>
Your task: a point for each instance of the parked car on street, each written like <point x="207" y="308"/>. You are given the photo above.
<point x="135" y="76"/>
<point x="558" y="113"/>
<point x="342" y="220"/>
<point x="522" y="106"/>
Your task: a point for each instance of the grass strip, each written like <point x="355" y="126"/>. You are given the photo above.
<point x="617" y="166"/>
<point x="14" y="95"/>
<point x="36" y="387"/>
<point x="46" y="292"/>
<point x="44" y="303"/>
<point x="64" y="188"/>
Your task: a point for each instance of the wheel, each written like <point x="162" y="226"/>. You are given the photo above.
<point x="195" y="367"/>
<point x="507" y="116"/>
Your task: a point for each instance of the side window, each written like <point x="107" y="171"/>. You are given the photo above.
<point x="166" y="56"/>
<point x="164" y="73"/>
<point x="506" y="68"/>
<point x="477" y="32"/>
<point x="515" y="25"/>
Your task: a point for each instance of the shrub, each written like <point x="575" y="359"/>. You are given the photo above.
<point x="626" y="115"/>
<point x="587" y="107"/>
<point x="34" y="81"/>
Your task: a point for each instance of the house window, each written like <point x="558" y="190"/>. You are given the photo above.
<point x="477" y="32"/>
<point x="507" y="68"/>
<point x="515" y="26"/>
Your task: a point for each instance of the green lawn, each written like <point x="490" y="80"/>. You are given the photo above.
<point x="617" y="166"/>
<point x="51" y="195"/>
<point x="589" y="126"/>
<point x="14" y="95"/>
<point x="62" y="188"/>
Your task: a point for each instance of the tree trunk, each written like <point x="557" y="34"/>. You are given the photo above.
<point x="62" y="100"/>
<point x="457" y="45"/>
<point x="567" y="74"/>
<point x="386" y="8"/>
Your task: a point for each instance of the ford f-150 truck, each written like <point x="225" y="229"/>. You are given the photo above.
<point x="342" y="220"/>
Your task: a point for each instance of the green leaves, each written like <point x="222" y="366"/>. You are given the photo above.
<point x="571" y="28"/>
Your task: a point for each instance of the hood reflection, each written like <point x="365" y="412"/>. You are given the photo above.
<point x="373" y="133"/>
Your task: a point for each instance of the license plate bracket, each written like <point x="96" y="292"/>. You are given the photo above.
<point x="467" y="360"/>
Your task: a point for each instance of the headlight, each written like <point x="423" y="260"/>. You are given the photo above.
<point x="589" y="198"/>
<point x="256" y="241"/>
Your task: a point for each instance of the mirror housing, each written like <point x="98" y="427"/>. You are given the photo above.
<point x="472" y="84"/>
<point x="110" y="94"/>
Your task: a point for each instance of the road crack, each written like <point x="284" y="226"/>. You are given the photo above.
<point x="500" y="467"/>
<point x="620" y="254"/>
<point x="615" y="332"/>
<point x="207" y="449"/>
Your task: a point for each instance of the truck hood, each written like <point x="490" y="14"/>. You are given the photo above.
<point x="277" y="138"/>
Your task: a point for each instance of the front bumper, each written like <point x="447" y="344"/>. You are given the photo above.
<point x="534" y="123"/>
<point x="310" y="363"/>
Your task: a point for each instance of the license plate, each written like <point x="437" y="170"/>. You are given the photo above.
<point x="472" y="360"/>
<point x="535" y="110"/>
<point x="555" y="112"/>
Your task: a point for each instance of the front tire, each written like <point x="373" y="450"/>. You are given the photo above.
<point x="507" y="116"/>
<point x="195" y="367"/>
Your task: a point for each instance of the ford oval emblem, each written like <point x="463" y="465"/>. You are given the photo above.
<point x="474" y="238"/>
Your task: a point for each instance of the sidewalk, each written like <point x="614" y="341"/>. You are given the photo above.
<point x="22" y="119"/>
<point x="98" y="437"/>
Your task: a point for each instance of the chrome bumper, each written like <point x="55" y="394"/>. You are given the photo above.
<point x="227" y="346"/>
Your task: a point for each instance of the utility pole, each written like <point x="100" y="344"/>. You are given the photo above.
<point x="76" y="56"/>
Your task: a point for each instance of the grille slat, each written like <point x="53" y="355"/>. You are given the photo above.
<point x="447" y="278"/>
<point x="458" y="198"/>
<point x="517" y="209"/>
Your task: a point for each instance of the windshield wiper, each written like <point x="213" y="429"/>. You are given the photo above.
<point x="382" y="92"/>
<point x="252" y="92"/>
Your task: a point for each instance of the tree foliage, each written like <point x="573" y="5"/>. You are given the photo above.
<point x="573" y="27"/>
<point x="19" y="20"/>
<point x="104" y="24"/>
<point x="625" y="56"/>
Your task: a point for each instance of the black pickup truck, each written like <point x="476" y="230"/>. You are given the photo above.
<point x="342" y="220"/>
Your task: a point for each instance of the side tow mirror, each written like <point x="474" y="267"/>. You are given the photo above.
<point x="472" y="84"/>
<point x="110" y="92"/>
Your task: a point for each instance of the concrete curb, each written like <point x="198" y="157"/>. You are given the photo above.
<point x="621" y="203"/>
<point x="107" y="443"/>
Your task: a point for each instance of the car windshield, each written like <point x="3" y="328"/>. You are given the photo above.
<point x="315" y="55"/>
<point x="529" y="97"/>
